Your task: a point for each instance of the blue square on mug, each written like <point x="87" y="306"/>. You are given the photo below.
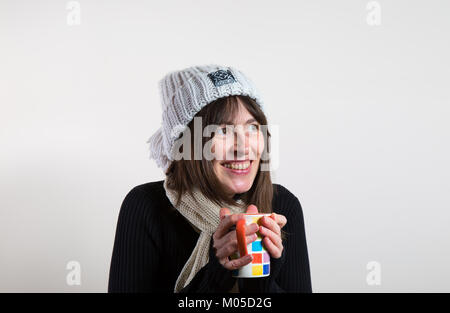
<point x="256" y="246"/>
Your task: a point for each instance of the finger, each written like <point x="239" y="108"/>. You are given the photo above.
<point x="279" y="219"/>
<point x="249" y="230"/>
<point x="270" y="224"/>
<point x="274" y="251"/>
<point x="226" y="223"/>
<point x="224" y="212"/>
<point x="274" y="238"/>
<point x="252" y="209"/>
<point x="237" y="263"/>
<point x="231" y="236"/>
<point x="231" y="246"/>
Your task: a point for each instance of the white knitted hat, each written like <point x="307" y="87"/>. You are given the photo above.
<point x="184" y="93"/>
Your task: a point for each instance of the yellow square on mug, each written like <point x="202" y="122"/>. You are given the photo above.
<point x="257" y="270"/>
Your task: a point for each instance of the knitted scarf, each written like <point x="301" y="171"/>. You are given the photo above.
<point x="202" y="213"/>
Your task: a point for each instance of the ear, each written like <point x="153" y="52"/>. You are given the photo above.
<point x="224" y="212"/>
<point x="252" y="209"/>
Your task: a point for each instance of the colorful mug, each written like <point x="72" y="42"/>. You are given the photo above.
<point x="260" y="266"/>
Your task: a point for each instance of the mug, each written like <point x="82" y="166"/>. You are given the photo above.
<point x="260" y="266"/>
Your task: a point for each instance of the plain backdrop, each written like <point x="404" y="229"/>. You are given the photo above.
<point x="362" y="109"/>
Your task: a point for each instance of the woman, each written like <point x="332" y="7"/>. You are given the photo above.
<point x="177" y="234"/>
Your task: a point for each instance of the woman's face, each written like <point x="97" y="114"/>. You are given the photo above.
<point x="237" y="151"/>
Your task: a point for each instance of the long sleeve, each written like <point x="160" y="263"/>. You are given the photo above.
<point x="213" y="277"/>
<point x="291" y="272"/>
<point x="135" y="259"/>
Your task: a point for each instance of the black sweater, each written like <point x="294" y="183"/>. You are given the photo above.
<point x="153" y="242"/>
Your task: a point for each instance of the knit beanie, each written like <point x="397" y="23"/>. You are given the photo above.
<point x="184" y="93"/>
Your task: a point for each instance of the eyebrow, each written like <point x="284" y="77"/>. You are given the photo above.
<point x="251" y="120"/>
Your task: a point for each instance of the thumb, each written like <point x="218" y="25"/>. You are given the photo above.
<point x="224" y="212"/>
<point x="252" y="209"/>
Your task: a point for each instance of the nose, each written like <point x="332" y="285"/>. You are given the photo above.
<point x="241" y="140"/>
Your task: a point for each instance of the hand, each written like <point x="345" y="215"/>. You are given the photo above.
<point x="270" y="228"/>
<point x="225" y="241"/>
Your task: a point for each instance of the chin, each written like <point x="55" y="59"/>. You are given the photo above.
<point x="236" y="184"/>
<point x="240" y="187"/>
<point x="241" y="190"/>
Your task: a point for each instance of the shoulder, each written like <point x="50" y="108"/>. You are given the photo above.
<point x="284" y="201"/>
<point x="151" y="190"/>
<point x="144" y="200"/>
<point x="280" y="192"/>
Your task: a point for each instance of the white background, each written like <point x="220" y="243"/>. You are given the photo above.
<point x="362" y="110"/>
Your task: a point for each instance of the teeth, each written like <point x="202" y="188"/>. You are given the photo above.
<point x="237" y="166"/>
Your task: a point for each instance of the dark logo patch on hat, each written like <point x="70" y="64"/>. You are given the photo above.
<point x="221" y="77"/>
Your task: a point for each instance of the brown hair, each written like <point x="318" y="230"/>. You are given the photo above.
<point x="183" y="175"/>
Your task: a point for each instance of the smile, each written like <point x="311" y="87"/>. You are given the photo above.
<point x="239" y="167"/>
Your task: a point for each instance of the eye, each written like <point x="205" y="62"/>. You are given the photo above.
<point x="254" y="127"/>
<point x="221" y="131"/>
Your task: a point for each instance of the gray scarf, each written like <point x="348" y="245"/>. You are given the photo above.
<point x="203" y="214"/>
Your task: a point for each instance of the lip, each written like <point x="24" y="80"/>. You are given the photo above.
<point x="238" y="172"/>
<point x="236" y="161"/>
